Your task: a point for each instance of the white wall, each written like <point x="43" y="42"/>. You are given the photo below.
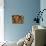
<point x="43" y="6"/>
<point x="1" y="20"/>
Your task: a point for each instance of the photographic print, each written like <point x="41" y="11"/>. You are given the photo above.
<point x="17" y="19"/>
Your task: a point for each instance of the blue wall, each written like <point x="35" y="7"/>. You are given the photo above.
<point x="27" y="8"/>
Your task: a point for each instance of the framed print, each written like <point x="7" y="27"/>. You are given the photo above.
<point x="17" y="19"/>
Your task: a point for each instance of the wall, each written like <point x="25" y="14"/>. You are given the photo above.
<point x="43" y="6"/>
<point x="27" y="8"/>
<point x="1" y="20"/>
